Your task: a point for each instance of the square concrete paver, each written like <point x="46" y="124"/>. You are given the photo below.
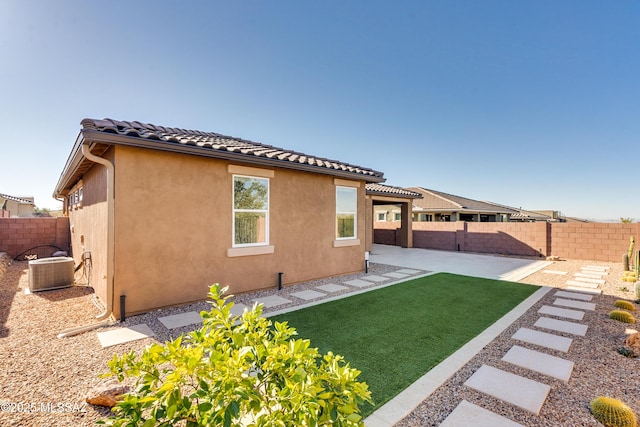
<point x="358" y="283"/>
<point x="501" y="384"/>
<point x="238" y="309"/>
<point x="179" y="320"/>
<point x="374" y="278"/>
<point x="574" y="295"/>
<point x="583" y="290"/>
<point x="123" y="335"/>
<point x="580" y="284"/>
<point x="593" y="275"/>
<point x="467" y="414"/>
<point x="589" y="280"/>
<point x="396" y="275"/>
<point x="561" y="326"/>
<point x="543" y="339"/>
<point x="560" y="273"/>
<point x="543" y="363"/>
<point x="595" y="267"/>
<point x="408" y="271"/>
<point x="562" y="312"/>
<point x="308" y="294"/>
<point x="272" y="301"/>
<point x="575" y="304"/>
<point x="332" y="287"/>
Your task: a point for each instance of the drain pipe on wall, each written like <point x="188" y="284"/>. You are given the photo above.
<point x="103" y="318"/>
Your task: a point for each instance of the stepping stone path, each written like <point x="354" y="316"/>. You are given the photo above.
<point x="531" y="394"/>
<point x="589" y="277"/>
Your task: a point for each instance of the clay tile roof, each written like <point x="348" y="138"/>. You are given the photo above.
<point x="388" y="190"/>
<point x="246" y="150"/>
<point x="16" y="199"/>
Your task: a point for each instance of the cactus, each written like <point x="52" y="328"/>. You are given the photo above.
<point x="624" y="305"/>
<point x="638" y="290"/>
<point x="612" y="412"/>
<point x="622" y="316"/>
<point x="625" y="262"/>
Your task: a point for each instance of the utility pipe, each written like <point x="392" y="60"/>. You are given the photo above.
<point x="103" y="318"/>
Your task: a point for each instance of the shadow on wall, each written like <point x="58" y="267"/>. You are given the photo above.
<point x="458" y="240"/>
<point x="9" y="287"/>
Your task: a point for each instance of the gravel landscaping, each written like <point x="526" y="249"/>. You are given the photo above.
<point x="45" y="380"/>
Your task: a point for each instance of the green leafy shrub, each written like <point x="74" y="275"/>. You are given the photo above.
<point x="622" y="316"/>
<point x="612" y="412"/>
<point x="234" y="371"/>
<point x="626" y="305"/>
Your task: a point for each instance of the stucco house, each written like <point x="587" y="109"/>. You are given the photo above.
<point x="162" y="213"/>
<point x="435" y="205"/>
<point x="16" y="206"/>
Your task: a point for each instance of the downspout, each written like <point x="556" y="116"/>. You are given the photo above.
<point x="103" y="318"/>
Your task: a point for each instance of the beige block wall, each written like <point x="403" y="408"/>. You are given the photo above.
<point x="173" y="230"/>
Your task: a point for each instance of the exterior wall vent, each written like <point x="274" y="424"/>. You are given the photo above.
<point x="50" y="273"/>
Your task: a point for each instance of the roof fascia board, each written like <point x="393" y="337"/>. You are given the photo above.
<point x="73" y="161"/>
<point x="110" y="138"/>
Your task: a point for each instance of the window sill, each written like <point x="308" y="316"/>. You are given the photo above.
<point x="250" y="251"/>
<point x="346" y="242"/>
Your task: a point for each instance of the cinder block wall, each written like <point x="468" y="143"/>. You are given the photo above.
<point x="588" y="241"/>
<point x="20" y="234"/>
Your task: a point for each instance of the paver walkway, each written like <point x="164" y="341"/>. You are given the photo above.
<point x="531" y="394"/>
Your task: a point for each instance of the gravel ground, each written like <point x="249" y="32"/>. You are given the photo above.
<point x="45" y="379"/>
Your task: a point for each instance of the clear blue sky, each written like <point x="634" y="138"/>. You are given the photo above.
<point x="532" y="104"/>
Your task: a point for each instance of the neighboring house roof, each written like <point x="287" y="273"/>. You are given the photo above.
<point x="22" y="200"/>
<point x="389" y="190"/>
<point x="209" y="144"/>
<point x="438" y="201"/>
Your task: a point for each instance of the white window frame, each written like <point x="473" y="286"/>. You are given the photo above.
<point x="382" y="216"/>
<point x="261" y="211"/>
<point x="354" y="213"/>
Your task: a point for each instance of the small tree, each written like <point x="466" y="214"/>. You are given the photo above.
<point x="238" y="371"/>
<point x="626" y="220"/>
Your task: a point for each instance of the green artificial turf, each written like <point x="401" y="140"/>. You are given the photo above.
<point x="394" y="335"/>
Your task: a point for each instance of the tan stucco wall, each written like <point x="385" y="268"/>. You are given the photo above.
<point x="173" y="224"/>
<point x="88" y="225"/>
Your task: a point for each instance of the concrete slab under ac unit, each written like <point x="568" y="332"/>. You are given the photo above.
<point x="543" y="339"/>
<point x="123" y="335"/>
<point x="561" y="326"/>
<point x="308" y="294"/>
<point x="543" y="363"/>
<point x="467" y="414"/>
<point x="501" y="384"/>
<point x="332" y="287"/>
<point x="574" y="295"/>
<point x="179" y="320"/>
<point x="561" y="312"/>
<point x="575" y="304"/>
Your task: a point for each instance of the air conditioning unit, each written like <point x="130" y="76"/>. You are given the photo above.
<point x="50" y="273"/>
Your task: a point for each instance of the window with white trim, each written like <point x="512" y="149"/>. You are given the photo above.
<point x="250" y="211"/>
<point x="346" y="212"/>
